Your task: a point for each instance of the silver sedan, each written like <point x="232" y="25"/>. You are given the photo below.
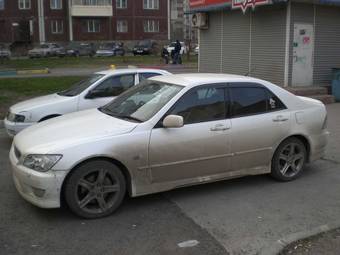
<point x="168" y="132"/>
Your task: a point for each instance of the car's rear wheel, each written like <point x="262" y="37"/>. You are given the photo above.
<point x="289" y="160"/>
<point x="95" y="189"/>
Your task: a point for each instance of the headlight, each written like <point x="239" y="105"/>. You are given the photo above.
<point x="41" y="163"/>
<point x="15" y="117"/>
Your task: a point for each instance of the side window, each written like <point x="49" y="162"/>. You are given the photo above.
<point x="248" y="101"/>
<point x="144" y="76"/>
<point x="201" y="105"/>
<point x="115" y="85"/>
<point x="274" y="103"/>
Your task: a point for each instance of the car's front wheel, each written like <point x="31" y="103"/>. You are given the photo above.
<point x="289" y="160"/>
<point x="95" y="189"/>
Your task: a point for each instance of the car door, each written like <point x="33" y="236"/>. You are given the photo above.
<point x="260" y="121"/>
<point x="201" y="148"/>
<point x="107" y="90"/>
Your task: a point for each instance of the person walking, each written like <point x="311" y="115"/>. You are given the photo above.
<point x="177" y="53"/>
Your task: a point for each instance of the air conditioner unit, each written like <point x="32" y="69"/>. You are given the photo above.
<point x="200" y="20"/>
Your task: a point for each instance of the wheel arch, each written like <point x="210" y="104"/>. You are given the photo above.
<point x="115" y="162"/>
<point x="303" y="138"/>
<point x="50" y="116"/>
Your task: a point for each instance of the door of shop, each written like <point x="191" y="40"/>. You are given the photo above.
<point x="303" y="51"/>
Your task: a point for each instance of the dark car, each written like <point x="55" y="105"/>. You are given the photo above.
<point x="79" y="49"/>
<point x="145" y="47"/>
<point x="111" y="49"/>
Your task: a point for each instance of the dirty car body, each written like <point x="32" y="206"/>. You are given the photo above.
<point x="190" y="129"/>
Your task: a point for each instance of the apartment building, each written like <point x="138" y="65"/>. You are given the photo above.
<point x="83" y="20"/>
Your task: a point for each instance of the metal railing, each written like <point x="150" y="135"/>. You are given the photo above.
<point x="92" y="2"/>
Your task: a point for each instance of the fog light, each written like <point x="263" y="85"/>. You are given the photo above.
<point x="38" y="192"/>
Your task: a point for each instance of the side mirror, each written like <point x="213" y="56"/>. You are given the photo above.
<point x="173" y="121"/>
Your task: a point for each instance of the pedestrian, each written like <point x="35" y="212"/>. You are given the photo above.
<point x="177" y="53"/>
<point x="165" y="55"/>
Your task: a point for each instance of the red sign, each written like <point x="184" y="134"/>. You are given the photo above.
<point x="207" y="3"/>
<point x="244" y="4"/>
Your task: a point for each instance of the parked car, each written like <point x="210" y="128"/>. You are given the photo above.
<point x="111" y="49"/>
<point x="172" y="45"/>
<point x="79" y="49"/>
<point x="45" y="50"/>
<point x="97" y="90"/>
<point x="145" y="47"/>
<point x="4" y="52"/>
<point x="168" y="132"/>
<point x="197" y="50"/>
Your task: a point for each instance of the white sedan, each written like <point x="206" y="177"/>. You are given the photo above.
<point x="168" y="132"/>
<point x="97" y="90"/>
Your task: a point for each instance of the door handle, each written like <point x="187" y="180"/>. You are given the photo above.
<point x="219" y="127"/>
<point x="280" y="118"/>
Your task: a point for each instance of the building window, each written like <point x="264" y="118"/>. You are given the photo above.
<point x="24" y="4"/>
<point x="93" y="2"/>
<point x="151" y="26"/>
<point x="93" y="26"/>
<point x="122" y="26"/>
<point x="56" y="4"/>
<point x="151" y="4"/>
<point x="57" y="26"/>
<point x="2" y="4"/>
<point x="121" y="4"/>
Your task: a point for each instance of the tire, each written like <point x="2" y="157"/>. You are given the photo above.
<point x="288" y="160"/>
<point x="84" y="189"/>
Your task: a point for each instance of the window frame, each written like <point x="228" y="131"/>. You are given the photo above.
<point x="150" y="5"/>
<point x="2" y="6"/>
<point x="267" y="92"/>
<point x="223" y="86"/>
<point x="153" y="22"/>
<point x="120" y="4"/>
<point x="120" y="21"/>
<point x="24" y="6"/>
<point x="53" y="6"/>
<point x="90" y="23"/>
<point x="58" y="24"/>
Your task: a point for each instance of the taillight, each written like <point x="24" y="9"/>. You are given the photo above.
<point x="324" y="125"/>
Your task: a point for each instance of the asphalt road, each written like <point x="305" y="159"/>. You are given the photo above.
<point x="242" y="216"/>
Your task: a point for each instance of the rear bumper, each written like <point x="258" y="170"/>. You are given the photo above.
<point x="318" y="144"/>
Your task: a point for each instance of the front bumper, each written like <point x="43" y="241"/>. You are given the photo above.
<point x="13" y="128"/>
<point x="40" y="189"/>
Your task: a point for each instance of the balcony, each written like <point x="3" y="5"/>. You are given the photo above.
<point x="91" y="8"/>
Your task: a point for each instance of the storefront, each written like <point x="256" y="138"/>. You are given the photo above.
<point x="291" y="43"/>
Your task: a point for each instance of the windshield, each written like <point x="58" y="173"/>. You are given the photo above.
<point x="107" y="46"/>
<point x="141" y="102"/>
<point x="79" y="87"/>
<point x="143" y="43"/>
<point x="43" y="46"/>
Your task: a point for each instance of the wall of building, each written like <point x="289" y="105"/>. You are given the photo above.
<point x="252" y="44"/>
<point x="134" y="14"/>
<point x="327" y="38"/>
<point x="12" y="15"/>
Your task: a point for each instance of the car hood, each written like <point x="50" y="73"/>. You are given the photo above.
<point x="54" y="135"/>
<point x="104" y="51"/>
<point x="38" y="102"/>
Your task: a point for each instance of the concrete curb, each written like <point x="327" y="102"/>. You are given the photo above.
<point x="24" y="72"/>
<point x="2" y="124"/>
<point x="280" y="244"/>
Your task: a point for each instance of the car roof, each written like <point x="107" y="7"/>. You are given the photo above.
<point x="195" y="79"/>
<point x="132" y="70"/>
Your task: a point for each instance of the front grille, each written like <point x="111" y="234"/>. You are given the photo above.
<point x="17" y="153"/>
